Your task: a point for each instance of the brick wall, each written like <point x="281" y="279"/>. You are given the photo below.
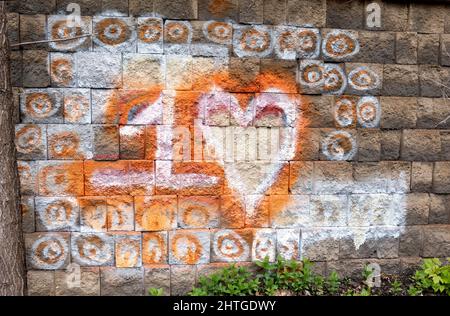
<point x="187" y="134"/>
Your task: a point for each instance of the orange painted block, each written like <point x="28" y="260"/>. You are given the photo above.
<point x="128" y="250"/>
<point x="120" y="213"/>
<point x="260" y="217"/>
<point x="198" y="211"/>
<point x="119" y="178"/>
<point x="155" y="213"/>
<point x="61" y="178"/>
<point x="232" y="245"/>
<point x="189" y="247"/>
<point x="154" y="248"/>
<point x="232" y="214"/>
<point x="93" y="212"/>
<point x="28" y="175"/>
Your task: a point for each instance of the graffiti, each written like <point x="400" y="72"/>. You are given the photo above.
<point x="373" y="19"/>
<point x="92" y="249"/>
<point x="255" y="41"/>
<point x="154" y="248"/>
<point x="339" y="44"/>
<point x="62" y="27"/>
<point x="218" y="32"/>
<point x="229" y="246"/>
<point x="189" y="248"/>
<point x="339" y="145"/>
<point x="363" y="78"/>
<point x="49" y="252"/>
<point x="128" y="251"/>
<point x="62" y="71"/>
<point x="345" y="112"/>
<point x="57" y="214"/>
<point x="208" y="159"/>
<point x="369" y="112"/>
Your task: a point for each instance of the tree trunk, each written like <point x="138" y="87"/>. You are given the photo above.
<point x="12" y="262"/>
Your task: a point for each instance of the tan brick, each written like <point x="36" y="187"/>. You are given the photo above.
<point x="421" y="145"/>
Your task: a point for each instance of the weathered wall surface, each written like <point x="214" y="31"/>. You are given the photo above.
<point x="184" y="135"/>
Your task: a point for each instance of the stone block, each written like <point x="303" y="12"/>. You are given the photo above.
<point x="445" y="49"/>
<point x="369" y="145"/>
<point x="92" y="250"/>
<point x="319" y="244"/>
<point x="142" y="8"/>
<point x="155" y="248"/>
<point x="390" y="145"/>
<point x="189" y="247"/>
<point x="41" y="106"/>
<point x="28" y="217"/>
<point x="439" y="209"/>
<point x="36" y="69"/>
<point x="57" y="214"/>
<point x="421" y="145"/>
<point x="28" y="176"/>
<point x="69" y="142"/>
<point x="16" y="69"/>
<point x="36" y="6"/>
<point x="59" y="30"/>
<point x="436" y="241"/>
<point x="157" y="277"/>
<point x="114" y="34"/>
<point x="431" y="22"/>
<point x="417" y="209"/>
<point x="441" y="177"/>
<point x="264" y="246"/>
<point x="150" y="35"/>
<point x="155" y="213"/>
<point x="32" y="29"/>
<point x="376" y="47"/>
<point x="127" y="249"/>
<point x="77" y="106"/>
<point x="93" y="214"/>
<point x="142" y="71"/>
<point x="231" y="245"/>
<point x="182" y="279"/>
<point x="433" y="113"/>
<point x="434" y="81"/>
<point x="88" y="7"/>
<point x="428" y="49"/>
<point x="328" y="210"/>
<point x="177" y="9"/>
<point x="122" y="282"/>
<point x="306" y="13"/>
<point x="364" y="79"/>
<point x="105" y="142"/>
<point x="218" y="10"/>
<point x="62" y="70"/>
<point x="115" y="8"/>
<point x="398" y="112"/>
<point x="410" y="243"/>
<point x="400" y="80"/>
<point x="31" y="142"/>
<point x="288" y="244"/>
<point x="47" y="251"/>
<point x="395" y="16"/>
<point x="275" y="11"/>
<point x="347" y="15"/>
<point x="57" y="178"/>
<point x="120" y="213"/>
<point x="41" y="283"/>
<point x="251" y="11"/>
<point x="99" y="70"/>
<point x="301" y="177"/>
<point x="74" y="282"/>
<point x="198" y="212"/>
<point x="422" y="176"/>
<point x="406" y="48"/>
<point x="332" y="177"/>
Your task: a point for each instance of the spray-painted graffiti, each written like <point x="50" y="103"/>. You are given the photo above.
<point x="197" y="158"/>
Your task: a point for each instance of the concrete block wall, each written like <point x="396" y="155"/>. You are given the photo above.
<point x="184" y="135"/>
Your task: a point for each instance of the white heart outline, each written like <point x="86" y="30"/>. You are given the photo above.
<point x="244" y="118"/>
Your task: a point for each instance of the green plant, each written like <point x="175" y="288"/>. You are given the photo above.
<point x="333" y="283"/>
<point x="396" y="288"/>
<point x="230" y="281"/>
<point x="433" y="276"/>
<point x="155" y="292"/>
